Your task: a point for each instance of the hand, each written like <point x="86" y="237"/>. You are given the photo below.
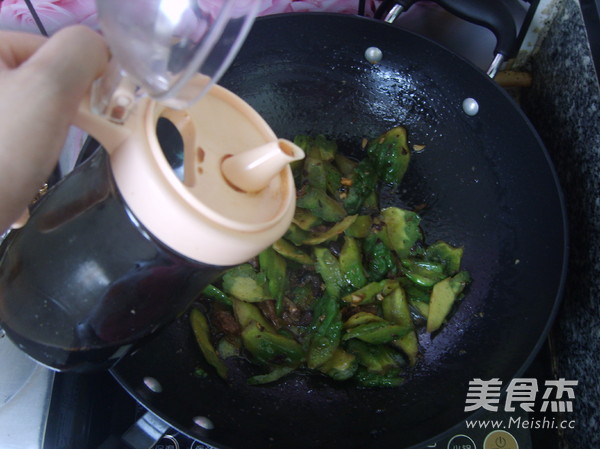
<point x="42" y="82"/>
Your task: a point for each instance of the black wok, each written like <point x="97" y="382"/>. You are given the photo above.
<point x="488" y="185"/>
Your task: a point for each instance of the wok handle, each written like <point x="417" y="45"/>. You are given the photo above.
<point x="492" y="14"/>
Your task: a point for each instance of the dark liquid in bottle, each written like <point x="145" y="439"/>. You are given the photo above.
<point x="83" y="280"/>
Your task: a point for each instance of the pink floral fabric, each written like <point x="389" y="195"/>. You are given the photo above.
<point x="56" y="14"/>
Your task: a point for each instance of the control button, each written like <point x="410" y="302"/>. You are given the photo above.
<point x="500" y="439"/>
<point x="167" y="442"/>
<point x="461" y="442"/>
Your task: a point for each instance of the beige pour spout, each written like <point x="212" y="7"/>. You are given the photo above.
<point x="252" y="170"/>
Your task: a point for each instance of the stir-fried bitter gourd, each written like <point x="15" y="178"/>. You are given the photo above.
<point x="349" y="288"/>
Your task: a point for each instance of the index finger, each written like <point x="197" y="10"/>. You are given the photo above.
<point x="16" y="47"/>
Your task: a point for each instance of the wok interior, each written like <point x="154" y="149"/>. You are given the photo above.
<point x="486" y="183"/>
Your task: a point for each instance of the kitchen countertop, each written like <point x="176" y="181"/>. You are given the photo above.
<point x="564" y="106"/>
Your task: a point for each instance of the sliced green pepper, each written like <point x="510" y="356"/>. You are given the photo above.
<point x="202" y="334"/>
<point x="377" y="332"/>
<point x="291" y="252"/>
<point x="360" y="318"/>
<point x="370" y="292"/>
<point x="212" y="292"/>
<point x="422" y="272"/>
<point x="331" y="233"/>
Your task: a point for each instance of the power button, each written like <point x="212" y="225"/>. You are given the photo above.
<point x="500" y="439"/>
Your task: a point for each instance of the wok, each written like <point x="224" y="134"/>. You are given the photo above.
<point x="487" y="184"/>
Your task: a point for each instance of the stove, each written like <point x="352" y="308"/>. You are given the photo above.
<point x="93" y="411"/>
<point x="41" y="409"/>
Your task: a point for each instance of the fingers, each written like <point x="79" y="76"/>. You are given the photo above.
<point x="39" y="97"/>
<point x="17" y="47"/>
<point x="74" y="70"/>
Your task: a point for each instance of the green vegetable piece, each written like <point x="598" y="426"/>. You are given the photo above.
<point x="370" y="205"/>
<point x="328" y="267"/>
<point x="415" y="292"/>
<point x="401" y="230"/>
<point x="345" y="165"/>
<point x="366" y="378"/>
<point x="421" y="307"/>
<point x="275" y="269"/>
<point x="351" y="263"/>
<point x="391" y="155"/>
<point x="379" y="359"/>
<point x="361" y="227"/>
<point x="361" y="318"/>
<point x="320" y="204"/>
<point x="296" y="235"/>
<point x="202" y="334"/>
<point x="270" y="348"/>
<point x="226" y="349"/>
<point x="302" y="296"/>
<point x="246" y="313"/>
<point x="274" y="375"/>
<point x="423" y="273"/>
<point x="443" y="296"/>
<point x="314" y="173"/>
<point x="370" y="292"/>
<point x="364" y="182"/>
<point x="305" y="219"/>
<point x="244" y="283"/>
<point x="395" y="309"/>
<point x="292" y="252"/>
<point x="303" y="141"/>
<point x="331" y="233"/>
<point x="333" y="181"/>
<point x="326" y="331"/>
<point x="212" y="292"/>
<point x="327" y="148"/>
<point x="341" y="365"/>
<point x="380" y="260"/>
<point x="377" y="332"/>
<point x="446" y="254"/>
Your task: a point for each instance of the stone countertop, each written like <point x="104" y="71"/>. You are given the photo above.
<point x="564" y="106"/>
